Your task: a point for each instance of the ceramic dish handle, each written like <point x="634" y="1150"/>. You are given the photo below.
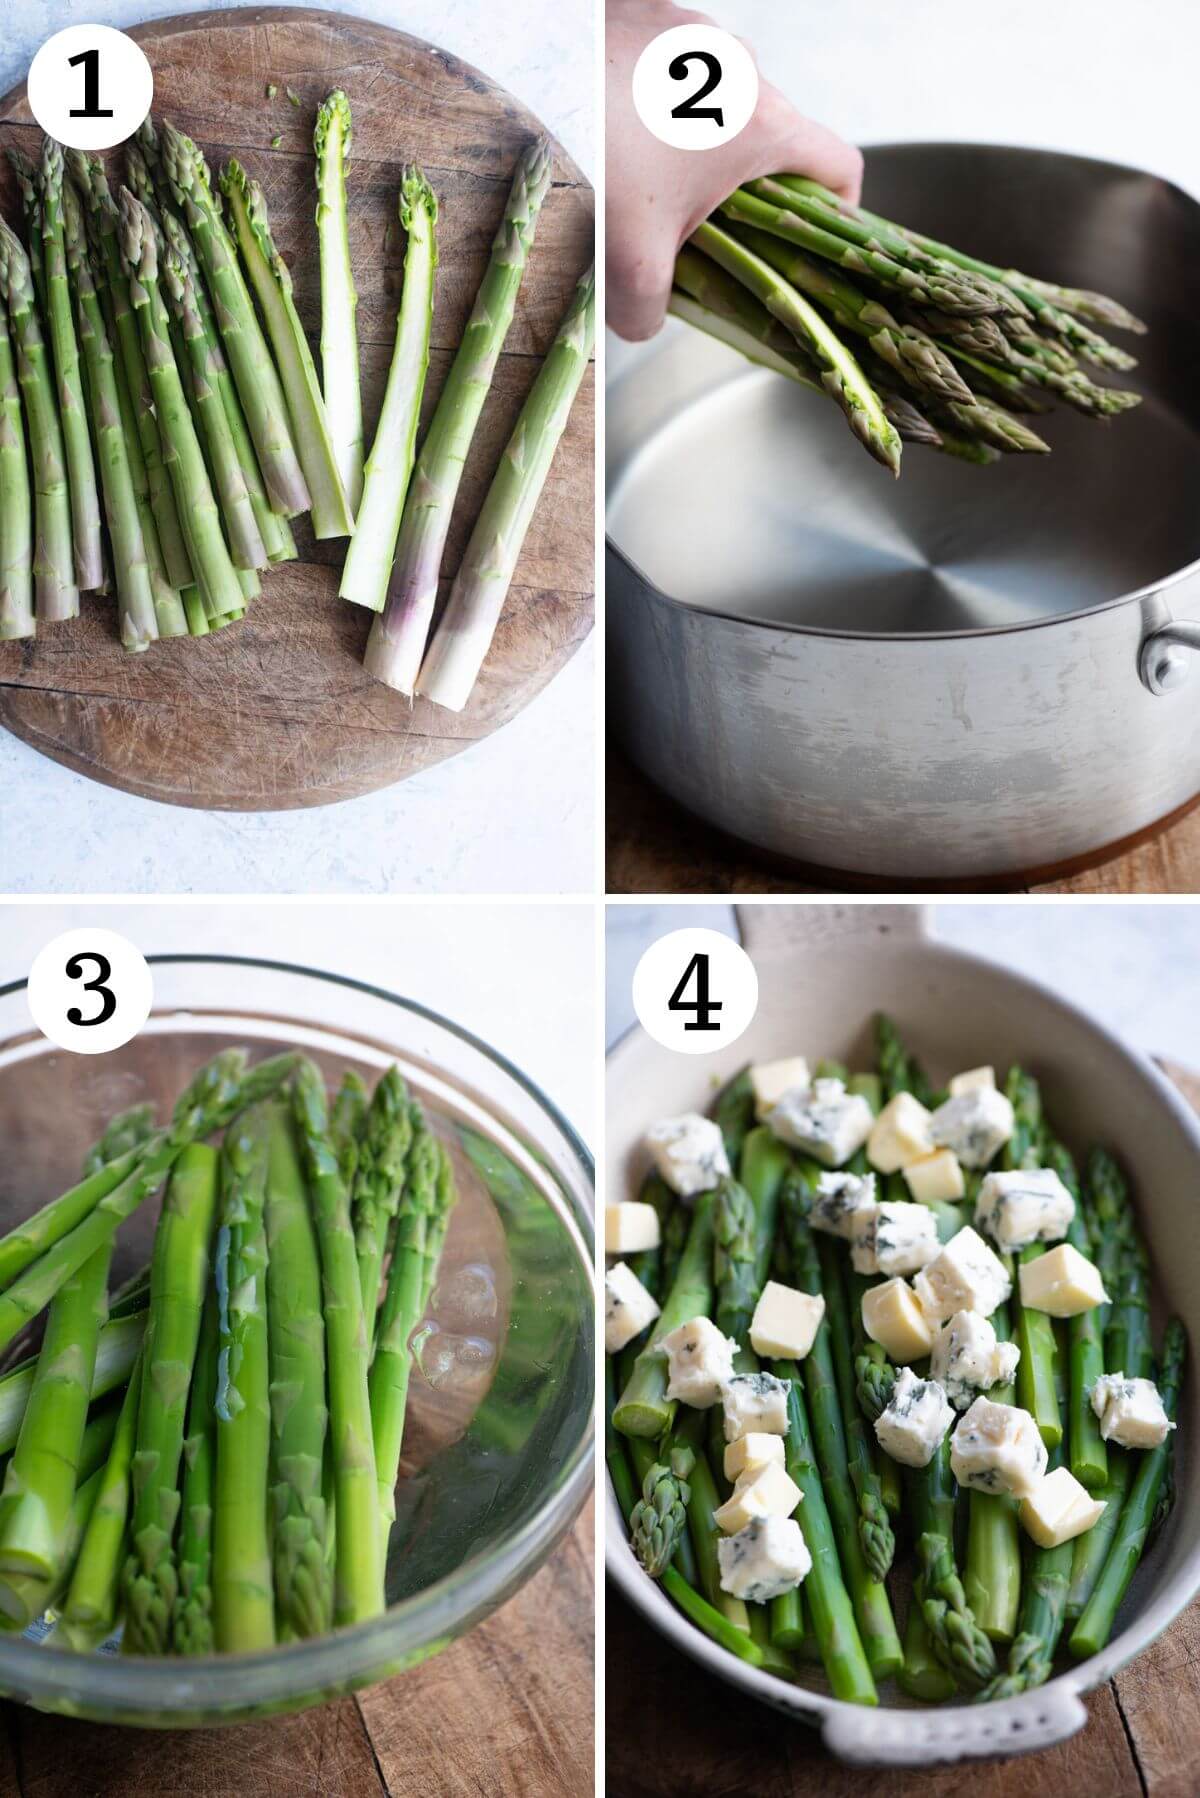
<point x="778" y="929"/>
<point x="923" y="1738"/>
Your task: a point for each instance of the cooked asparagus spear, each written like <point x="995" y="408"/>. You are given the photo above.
<point x="90" y="1609"/>
<point x="347" y="1115"/>
<point x="659" y="1518"/>
<point x="383" y="1147"/>
<point x="643" y="1408"/>
<point x="271" y="280"/>
<point x="955" y="1634"/>
<point x="179" y="1273"/>
<point x="465" y="633"/>
<point x="192" y="1623"/>
<point x="60" y="318"/>
<point x="874" y="1529"/>
<point x="332" y="141"/>
<point x="1034" y="1330"/>
<point x="1089" y="1454"/>
<point x="397" y="642"/>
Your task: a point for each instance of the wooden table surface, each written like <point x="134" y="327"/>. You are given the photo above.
<point x="506" y="1712"/>
<point x="655" y="847"/>
<point x="675" y="1729"/>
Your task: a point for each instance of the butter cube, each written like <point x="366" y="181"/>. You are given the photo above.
<point x="754" y="1402"/>
<point x="785" y="1322"/>
<point x="630" y="1228"/>
<point x="1062" y="1282"/>
<point x="1059" y="1509"/>
<point x="628" y="1307"/>
<point x="892" y="1317"/>
<point x="900" y="1134"/>
<point x="1131" y="1412"/>
<point x="935" y="1179"/>
<point x="763" y="1561"/>
<point x="971" y="1081"/>
<point x="966" y="1276"/>
<point x="699" y="1362"/>
<point x="752" y="1452"/>
<point x="769" y="1492"/>
<point x="775" y="1078"/>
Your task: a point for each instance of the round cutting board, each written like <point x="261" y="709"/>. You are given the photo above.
<point x="276" y="711"/>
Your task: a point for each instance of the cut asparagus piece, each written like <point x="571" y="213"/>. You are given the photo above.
<point x="464" y="636"/>
<point x="253" y="370"/>
<point x="243" y="1590"/>
<point x="358" y="1583"/>
<point x="389" y="467"/>
<point x="272" y="283"/>
<point x="296" y="1331"/>
<point x="397" y="641"/>
<point x="332" y="139"/>
<point x="179" y="1273"/>
<point x="56" y="596"/>
<point x="60" y="318"/>
<point x="195" y="502"/>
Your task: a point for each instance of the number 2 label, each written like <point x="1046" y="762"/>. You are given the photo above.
<point x="715" y="68"/>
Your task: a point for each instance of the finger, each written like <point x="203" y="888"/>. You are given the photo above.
<point x="638" y="271"/>
<point x="820" y="154"/>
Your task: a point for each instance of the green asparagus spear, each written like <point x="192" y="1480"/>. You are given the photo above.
<point x="90" y="1611"/>
<point x="358" y="1586"/>
<point x="1034" y="1329"/>
<point x="660" y="1516"/>
<point x="1089" y="1454"/>
<point x="16" y="504"/>
<point x="29" y="186"/>
<point x="375" y="1195"/>
<point x="389" y="467"/>
<point x="874" y="1530"/>
<point x="179" y="1274"/>
<point x="60" y="318"/>
<point x="733" y="1107"/>
<point x="643" y="1408"/>
<point x="397" y="641"/>
<point x="332" y="515"/>
<point x="1109" y="1200"/>
<point x="128" y="1130"/>
<point x="923" y="1675"/>
<point x="243" y="1590"/>
<point x="332" y="140"/>
<point x="992" y="1576"/>
<point x="116" y="1352"/>
<point x="955" y="1634"/>
<point x="192" y="1623"/>
<point x="347" y="1115"/>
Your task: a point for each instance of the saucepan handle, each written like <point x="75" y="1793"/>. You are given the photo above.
<point x="1163" y="662"/>
<point x="903" y="1738"/>
<point x="778" y="929"/>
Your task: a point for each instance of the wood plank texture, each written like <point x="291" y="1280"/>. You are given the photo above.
<point x="276" y="711"/>
<point x="654" y="846"/>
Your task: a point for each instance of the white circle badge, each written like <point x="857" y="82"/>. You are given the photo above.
<point x="90" y="991"/>
<point x="695" y="991"/>
<point x="90" y="87"/>
<point x="695" y="87"/>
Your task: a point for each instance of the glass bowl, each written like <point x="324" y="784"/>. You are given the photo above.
<point x="498" y="1443"/>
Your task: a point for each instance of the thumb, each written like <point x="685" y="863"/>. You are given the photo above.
<point x="801" y="146"/>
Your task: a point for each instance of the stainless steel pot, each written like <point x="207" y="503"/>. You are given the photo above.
<point x="823" y="970"/>
<point x="961" y="675"/>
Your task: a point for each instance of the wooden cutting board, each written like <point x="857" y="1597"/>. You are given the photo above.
<point x="276" y="711"/>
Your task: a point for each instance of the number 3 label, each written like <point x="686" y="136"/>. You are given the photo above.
<point x="90" y="991"/>
<point x="695" y="991"/>
<point x="695" y="87"/>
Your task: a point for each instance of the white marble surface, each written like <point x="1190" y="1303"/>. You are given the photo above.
<point x="522" y="977"/>
<point x="1134" y="966"/>
<point x="515" y="813"/>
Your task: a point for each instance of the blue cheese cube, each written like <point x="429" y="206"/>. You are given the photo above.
<point x="699" y="1362"/>
<point x="774" y="1079"/>
<point x="755" y="1401"/>
<point x="1025" y="1206"/>
<point x="966" y="1276"/>
<point x="628" y="1307"/>
<point x="1131" y="1412"/>
<point x="967" y="1358"/>
<point x="752" y="1452"/>
<point x="765" y="1492"/>
<point x="901" y="1239"/>
<point x="763" y="1561"/>
<point x="974" y="1125"/>
<point x="1060" y="1509"/>
<point x="899" y="1135"/>
<point x="998" y="1448"/>
<point x="844" y="1205"/>
<point x="911" y="1426"/>
<point x="785" y="1322"/>
<point x="827" y="1122"/>
<point x="630" y="1229"/>
<point x="689" y="1153"/>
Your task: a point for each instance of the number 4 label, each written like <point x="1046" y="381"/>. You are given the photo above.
<point x="695" y="87"/>
<point x="695" y="991"/>
<point x="90" y="991"/>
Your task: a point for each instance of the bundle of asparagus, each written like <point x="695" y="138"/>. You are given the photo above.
<point x="208" y="1456"/>
<point x="914" y="340"/>
<point x="776" y="1534"/>
<point x="162" y="418"/>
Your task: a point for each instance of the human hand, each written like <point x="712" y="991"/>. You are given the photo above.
<point x="656" y="196"/>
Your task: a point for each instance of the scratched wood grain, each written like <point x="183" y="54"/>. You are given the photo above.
<point x="505" y="1712"/>
<point x="654" y="846"/>
<point x="276" y="711"/>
